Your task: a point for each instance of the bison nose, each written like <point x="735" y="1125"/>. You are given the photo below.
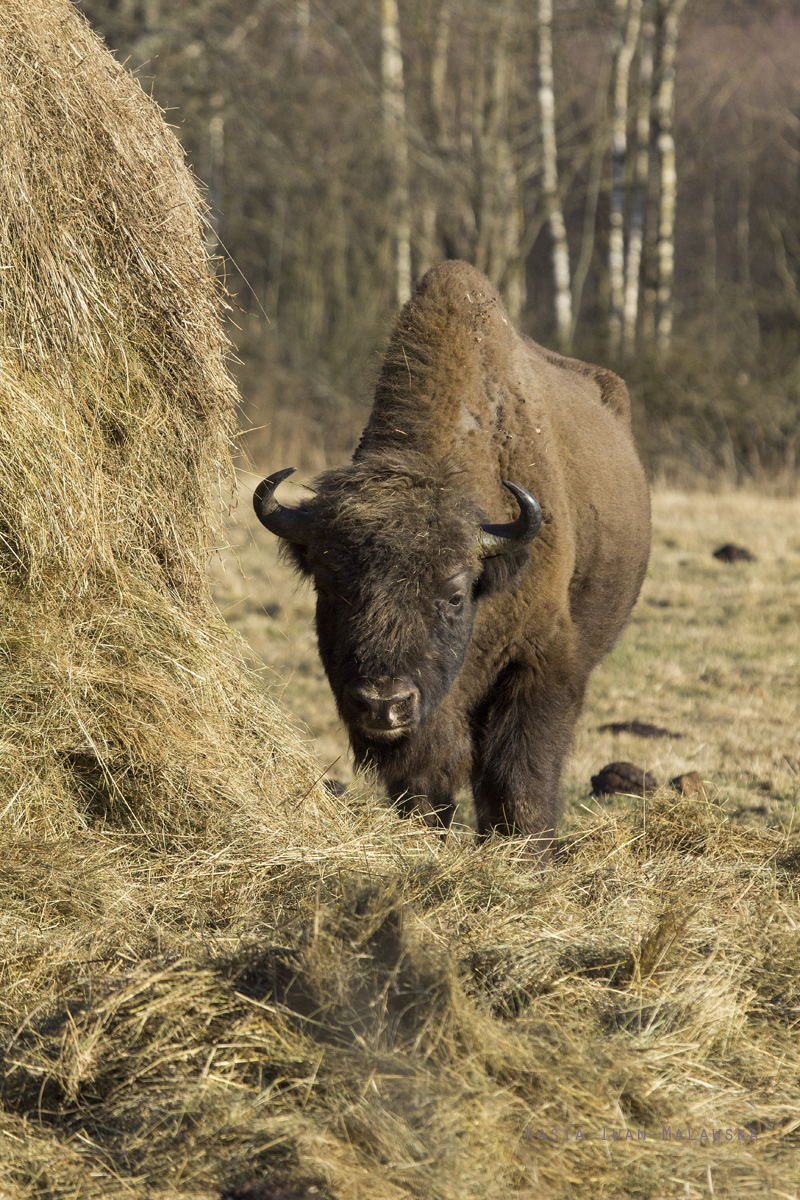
<point x="382" y="704"/>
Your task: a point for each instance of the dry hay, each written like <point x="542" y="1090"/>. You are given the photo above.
<point x="393" y="1016"/>
<point x="214" y="974"/>
<point x="124" y="704"/>
<point x="122" y="693"/>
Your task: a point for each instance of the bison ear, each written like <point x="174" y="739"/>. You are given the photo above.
<point x="500" y="573"/>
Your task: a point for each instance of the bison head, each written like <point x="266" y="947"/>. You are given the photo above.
<point x="400" y="559"/>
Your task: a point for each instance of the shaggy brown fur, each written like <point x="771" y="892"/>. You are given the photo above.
<point x="485" y="660"/>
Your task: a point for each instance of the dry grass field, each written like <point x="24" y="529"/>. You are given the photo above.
<point x="712" y="653"/>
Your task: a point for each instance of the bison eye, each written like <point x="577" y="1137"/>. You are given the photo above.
<point x="453" y="593"/>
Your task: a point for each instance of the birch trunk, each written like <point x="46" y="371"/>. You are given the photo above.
<point x="484" y="125"/>
<point x="743" y="206"/>
<point x="597" y="159"/>
<point x="441" y="46"/>
<point x="394" y="123"/>
<point x="302" y="23"/>
<point x="498" y="248"/>
<point x="616" y="239"/>
<point x="641" y="175"/>
<point x="665" y="107"/>
<point x="216" y="153"/>
<point x="498" y="209"/>
<point x="558" y="232"/>
<point x="710" y="239"/>
<point x="428" y="246"/>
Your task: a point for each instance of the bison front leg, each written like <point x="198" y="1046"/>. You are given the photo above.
<point x="522" y="733"/>
<point x="433" y="800"/>
<point x="428" y="771"/>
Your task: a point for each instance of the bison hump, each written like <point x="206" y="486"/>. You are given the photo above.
<point x="612" y="389"/>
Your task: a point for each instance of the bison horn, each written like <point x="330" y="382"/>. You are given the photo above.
<point x="293" y="524"/>
<point x="502" y="539"/>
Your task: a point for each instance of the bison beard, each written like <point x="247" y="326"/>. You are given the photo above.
<point x="458" y="648"/>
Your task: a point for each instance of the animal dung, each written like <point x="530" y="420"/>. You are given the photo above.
<point x="623" y="779"/>
<point x="690" y="785"/>
<point x="729" y="553"/>
<point x="638" y="729"/>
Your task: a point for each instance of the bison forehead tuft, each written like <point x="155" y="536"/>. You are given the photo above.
<point x="412" y="521"/>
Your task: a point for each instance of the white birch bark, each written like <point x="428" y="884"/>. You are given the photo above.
<point x="743" y="206"/>
<point x="665" y="108"/>
<point x="216" y="155"/>
<point x="427" y="246"/>
<point x="498" y="247"/>
<point x="303" y="22"/>
<point x="616" y="239"/>
<point x="633" y="266"/>
<point x="394" y="122"/>
<point x="558" y="231"/>
<point x="441" y="46"/>
<point x="600" y="145"/>
<point x="710" y="238"/>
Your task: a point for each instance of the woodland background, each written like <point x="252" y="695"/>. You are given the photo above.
<point x="627" y="172"/>
<point x="220" y="976"/>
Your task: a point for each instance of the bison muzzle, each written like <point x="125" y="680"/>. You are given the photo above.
<point x="476" y="559"/>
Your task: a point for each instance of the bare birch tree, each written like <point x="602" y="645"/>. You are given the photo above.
<point x="216" y="154"/>
<point x="616" y="239"/>
<point x="600" y="138"/>
<point x="498" y="248"/>
<point x="665" y="108"/>
<point x="558" y="230"/>
<point x="743" y="206"/>
<point x="428" y="250"/>
<point x="633" y="265"/>
<point x="394" y="120"/>
<point x="302" y="24"/>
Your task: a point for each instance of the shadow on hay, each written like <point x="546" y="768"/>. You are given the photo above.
<point x="352" y="976"/>
<point x="356" y="974"/>
<point x="123" y="1058"/>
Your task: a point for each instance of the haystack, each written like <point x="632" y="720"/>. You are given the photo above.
<point x="122" y="697"/>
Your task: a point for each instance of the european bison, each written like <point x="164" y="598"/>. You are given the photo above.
<point x="456" y="634"/>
